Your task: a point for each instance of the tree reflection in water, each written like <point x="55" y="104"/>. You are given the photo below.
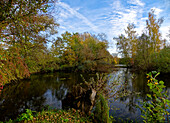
<point x="50" y="89"/>
<point x="136" y="83"/>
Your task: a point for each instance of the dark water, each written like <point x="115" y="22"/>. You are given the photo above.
<point x="124" y="108"/>
<point x="41" y="91"/>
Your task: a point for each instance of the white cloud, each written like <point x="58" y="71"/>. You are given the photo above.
<point x="77" y="9"/>
<point x="70" y="12"/>
<point x="157" y="11"/>
<point x="122" y="16"/>
<point x="164" y="31"/>
<point x="144" y="18"/>
<point x="111" y="20"/>
<point x="64" y="15"/>
<point x="136" y="2"/>
<point x="117" y="4"/>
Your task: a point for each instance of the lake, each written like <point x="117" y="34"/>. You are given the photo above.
<point x="48" y="90"/>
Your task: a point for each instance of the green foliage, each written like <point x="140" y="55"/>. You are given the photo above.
<point x="22" y="47"/>
<point x="144" y="52"/>
<point x="156" y="109"/>
<point x="26" y="116"/>
<point x="104" y="90"/>
<point x="83" y="52"/>
<point x="12" y="66"/>
<point x="101" y="111"/>
<point x="161" y="61"/>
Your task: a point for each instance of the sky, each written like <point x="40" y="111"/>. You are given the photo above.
<point x="109" y="16"/>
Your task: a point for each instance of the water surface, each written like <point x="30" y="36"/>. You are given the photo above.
<point x="43" y="90"/>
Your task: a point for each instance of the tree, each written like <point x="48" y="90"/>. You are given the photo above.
<point x="81" y="51"/>
<point x="127" y="46"/>
<point x="132" y="37"/>
<point x="153" y="27"/>
<point x="12" y="10"/>
<point x="21" y="22"/>
<point x="123" y="46"/>
<point x="143" y="54"/>
<point x="149" y="43"/>
<point x="140" y="49"/>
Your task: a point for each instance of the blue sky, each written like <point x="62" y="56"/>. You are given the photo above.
<point x="109" y="16"/>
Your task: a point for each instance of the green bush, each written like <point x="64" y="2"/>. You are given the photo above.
<point x="26" y="116"/>
<point x="162" y="60"/>
<point x="155" y="110"/>
<point x="101" y="112"/>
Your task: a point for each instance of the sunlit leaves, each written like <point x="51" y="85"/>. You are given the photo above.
<point x="84" y="51"/>
<point x="153" y="26"/>
<point x="156" y="110"/>
<point x="138" y="51"/>
<point x="21" y="24"/>
<point x="12" y="66"/>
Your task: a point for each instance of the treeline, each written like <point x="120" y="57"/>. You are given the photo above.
<point x="83" y="52"/>
<point x="25" y="29"/>
<point x="147" y="51"/>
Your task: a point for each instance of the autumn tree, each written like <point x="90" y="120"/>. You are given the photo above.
<point x="143" y="52"/>
<point x="132" y="39"/>
<point x="81" y="51"/>
<point x="153" y="26"/>
<point x="140" y="49"/>
<point x="127" y="46"/>
<point x="150" y="42"/>
<point x="21" y="24"/>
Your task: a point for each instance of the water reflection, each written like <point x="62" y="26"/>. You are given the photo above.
<point x="50" y="89"/>
<point x="125" y="107"/>
<point x="36" y="93"/>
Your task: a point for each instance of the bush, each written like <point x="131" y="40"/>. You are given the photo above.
<point x="156" y="109"/>
<point x="101" y="112"/>
<point x="162" y="60"/>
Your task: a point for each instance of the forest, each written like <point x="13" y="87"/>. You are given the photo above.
<point x="26" y="46"/>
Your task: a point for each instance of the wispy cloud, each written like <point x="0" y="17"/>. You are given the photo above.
<point x="136" y="2"/>
<point x="123" y="15"/>
<point x="109" y="16"/>
<point x="157" y="11"/>
<point x="70" y="12"/>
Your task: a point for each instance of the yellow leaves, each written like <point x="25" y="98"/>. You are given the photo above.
<point x="43" y="28"/>
<point x="156" y="83"/>
<point x="148" y="81"/>
<point x="81" y="42"/>
<point x="115" y="60"/>
<point x="153" y="28"/>
<point x="75" y="49"/>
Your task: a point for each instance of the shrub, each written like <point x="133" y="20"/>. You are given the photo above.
<point x="156" y="109"/>
<point x="101" y="112"/>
